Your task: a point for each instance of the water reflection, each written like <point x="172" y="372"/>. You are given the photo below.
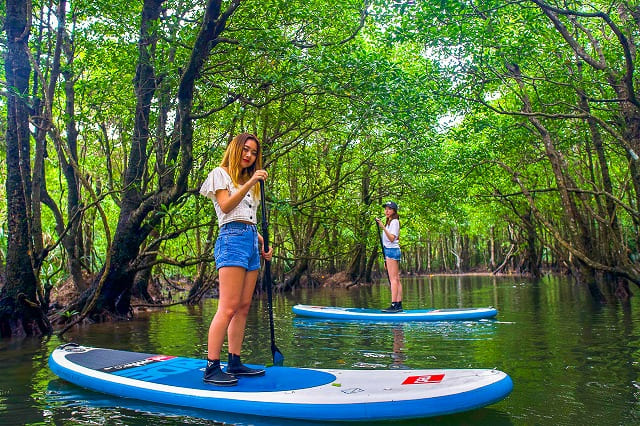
<point x="382" y="344"/>
<point x="85" y="406"/>
<point x="398" y="354"/>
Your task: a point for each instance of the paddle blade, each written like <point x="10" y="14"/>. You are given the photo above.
<point x="278" y="358"/>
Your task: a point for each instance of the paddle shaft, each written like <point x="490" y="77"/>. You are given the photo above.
<point x="277" y="355"/>
<point x="384" y="258"/>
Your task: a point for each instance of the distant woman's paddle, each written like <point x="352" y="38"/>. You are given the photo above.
<point x="384" y="258"/>
<point x="278" y="358"/>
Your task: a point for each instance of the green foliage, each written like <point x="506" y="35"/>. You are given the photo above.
<point x="416" y="105"/>
<point x="69" y="314"/>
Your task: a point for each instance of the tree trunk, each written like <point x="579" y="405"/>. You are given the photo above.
<point x="465" y="253"/>
<point x="74" y="241"/>
<point x="492" y="249"/>
<point x="199" y="287"/>
<point x="622" y="82"/>
<point x="358" y="262"/>
<point x="137" y="216"/>
<point x="300" y="268"/>
<point x="443" y="253"/>
<point x="456" y="249"/>
<point x="141" y="285"/>
<point x="21" y="312"/>
<point x="579" y="235"/>
<point x="370" y="262"/>
<point x="302" y="253"/>
<point x="531" y="261"/>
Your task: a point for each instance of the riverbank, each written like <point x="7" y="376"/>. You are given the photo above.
<point x="342" y="279"/>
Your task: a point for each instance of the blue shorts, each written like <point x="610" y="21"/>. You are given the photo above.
<point x="392" y="253"/>
<point x="237" y="245"/>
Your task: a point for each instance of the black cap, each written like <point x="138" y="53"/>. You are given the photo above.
<point x="391" y="205"/>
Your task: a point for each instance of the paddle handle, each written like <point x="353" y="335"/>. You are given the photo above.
<point x="265" y="224"/>
<point x="384" y="258"/>
<point x="278" y="358"/>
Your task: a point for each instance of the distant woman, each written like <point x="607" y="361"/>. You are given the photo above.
<point x="233" y="188"/>
<point x="390" y="236"/>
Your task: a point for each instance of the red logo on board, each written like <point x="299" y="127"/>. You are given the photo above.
<point x="161" y="357"/>
<point x="421" y="380"/>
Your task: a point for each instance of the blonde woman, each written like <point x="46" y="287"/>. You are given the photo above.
<point x="233" y="188"/>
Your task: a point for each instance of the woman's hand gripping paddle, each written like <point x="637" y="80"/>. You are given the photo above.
<point x="278" y="358"/>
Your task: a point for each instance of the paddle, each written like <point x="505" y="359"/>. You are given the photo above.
<point x="278" y="358"/>
<point x="384" y="258"/>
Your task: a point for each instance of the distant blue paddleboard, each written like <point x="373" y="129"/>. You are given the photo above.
<point x="283" y="392"/>
<point x="332" y="312"/>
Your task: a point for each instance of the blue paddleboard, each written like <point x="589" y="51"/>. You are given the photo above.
<point x="452" y="314"/>
<point x="283" y="392"/>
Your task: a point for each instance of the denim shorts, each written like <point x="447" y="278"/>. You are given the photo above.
<point x="237" y="245"/>
<point x="392" y="253"/>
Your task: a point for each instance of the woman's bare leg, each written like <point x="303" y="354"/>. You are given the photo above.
<point x="229" y="301"/>
<point x="394" y="277"/>
<point x="239" y="321"/>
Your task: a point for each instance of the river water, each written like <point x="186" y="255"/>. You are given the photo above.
<point x="572" y="362"/>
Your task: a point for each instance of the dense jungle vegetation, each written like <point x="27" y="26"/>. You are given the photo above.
<point x="507" y="131"/>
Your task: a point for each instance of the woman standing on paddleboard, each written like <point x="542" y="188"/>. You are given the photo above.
<point x="233" y="188"/>
<point x="390" y="236"/>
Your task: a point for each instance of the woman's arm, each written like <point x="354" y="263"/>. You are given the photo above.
<point x="229" y="202"/>
<point x="389" y="235"/>
<point x="394" y="229"/>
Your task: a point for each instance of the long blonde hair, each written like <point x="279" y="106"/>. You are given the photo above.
<point x="233" y="157"/>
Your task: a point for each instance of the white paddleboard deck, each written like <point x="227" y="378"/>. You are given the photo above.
<point x="284" y="392"/>
<point x="451" y="314"/>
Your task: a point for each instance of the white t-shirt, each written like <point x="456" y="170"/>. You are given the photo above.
<point x="245" y="210"/>
<point x="393" y="228"/>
